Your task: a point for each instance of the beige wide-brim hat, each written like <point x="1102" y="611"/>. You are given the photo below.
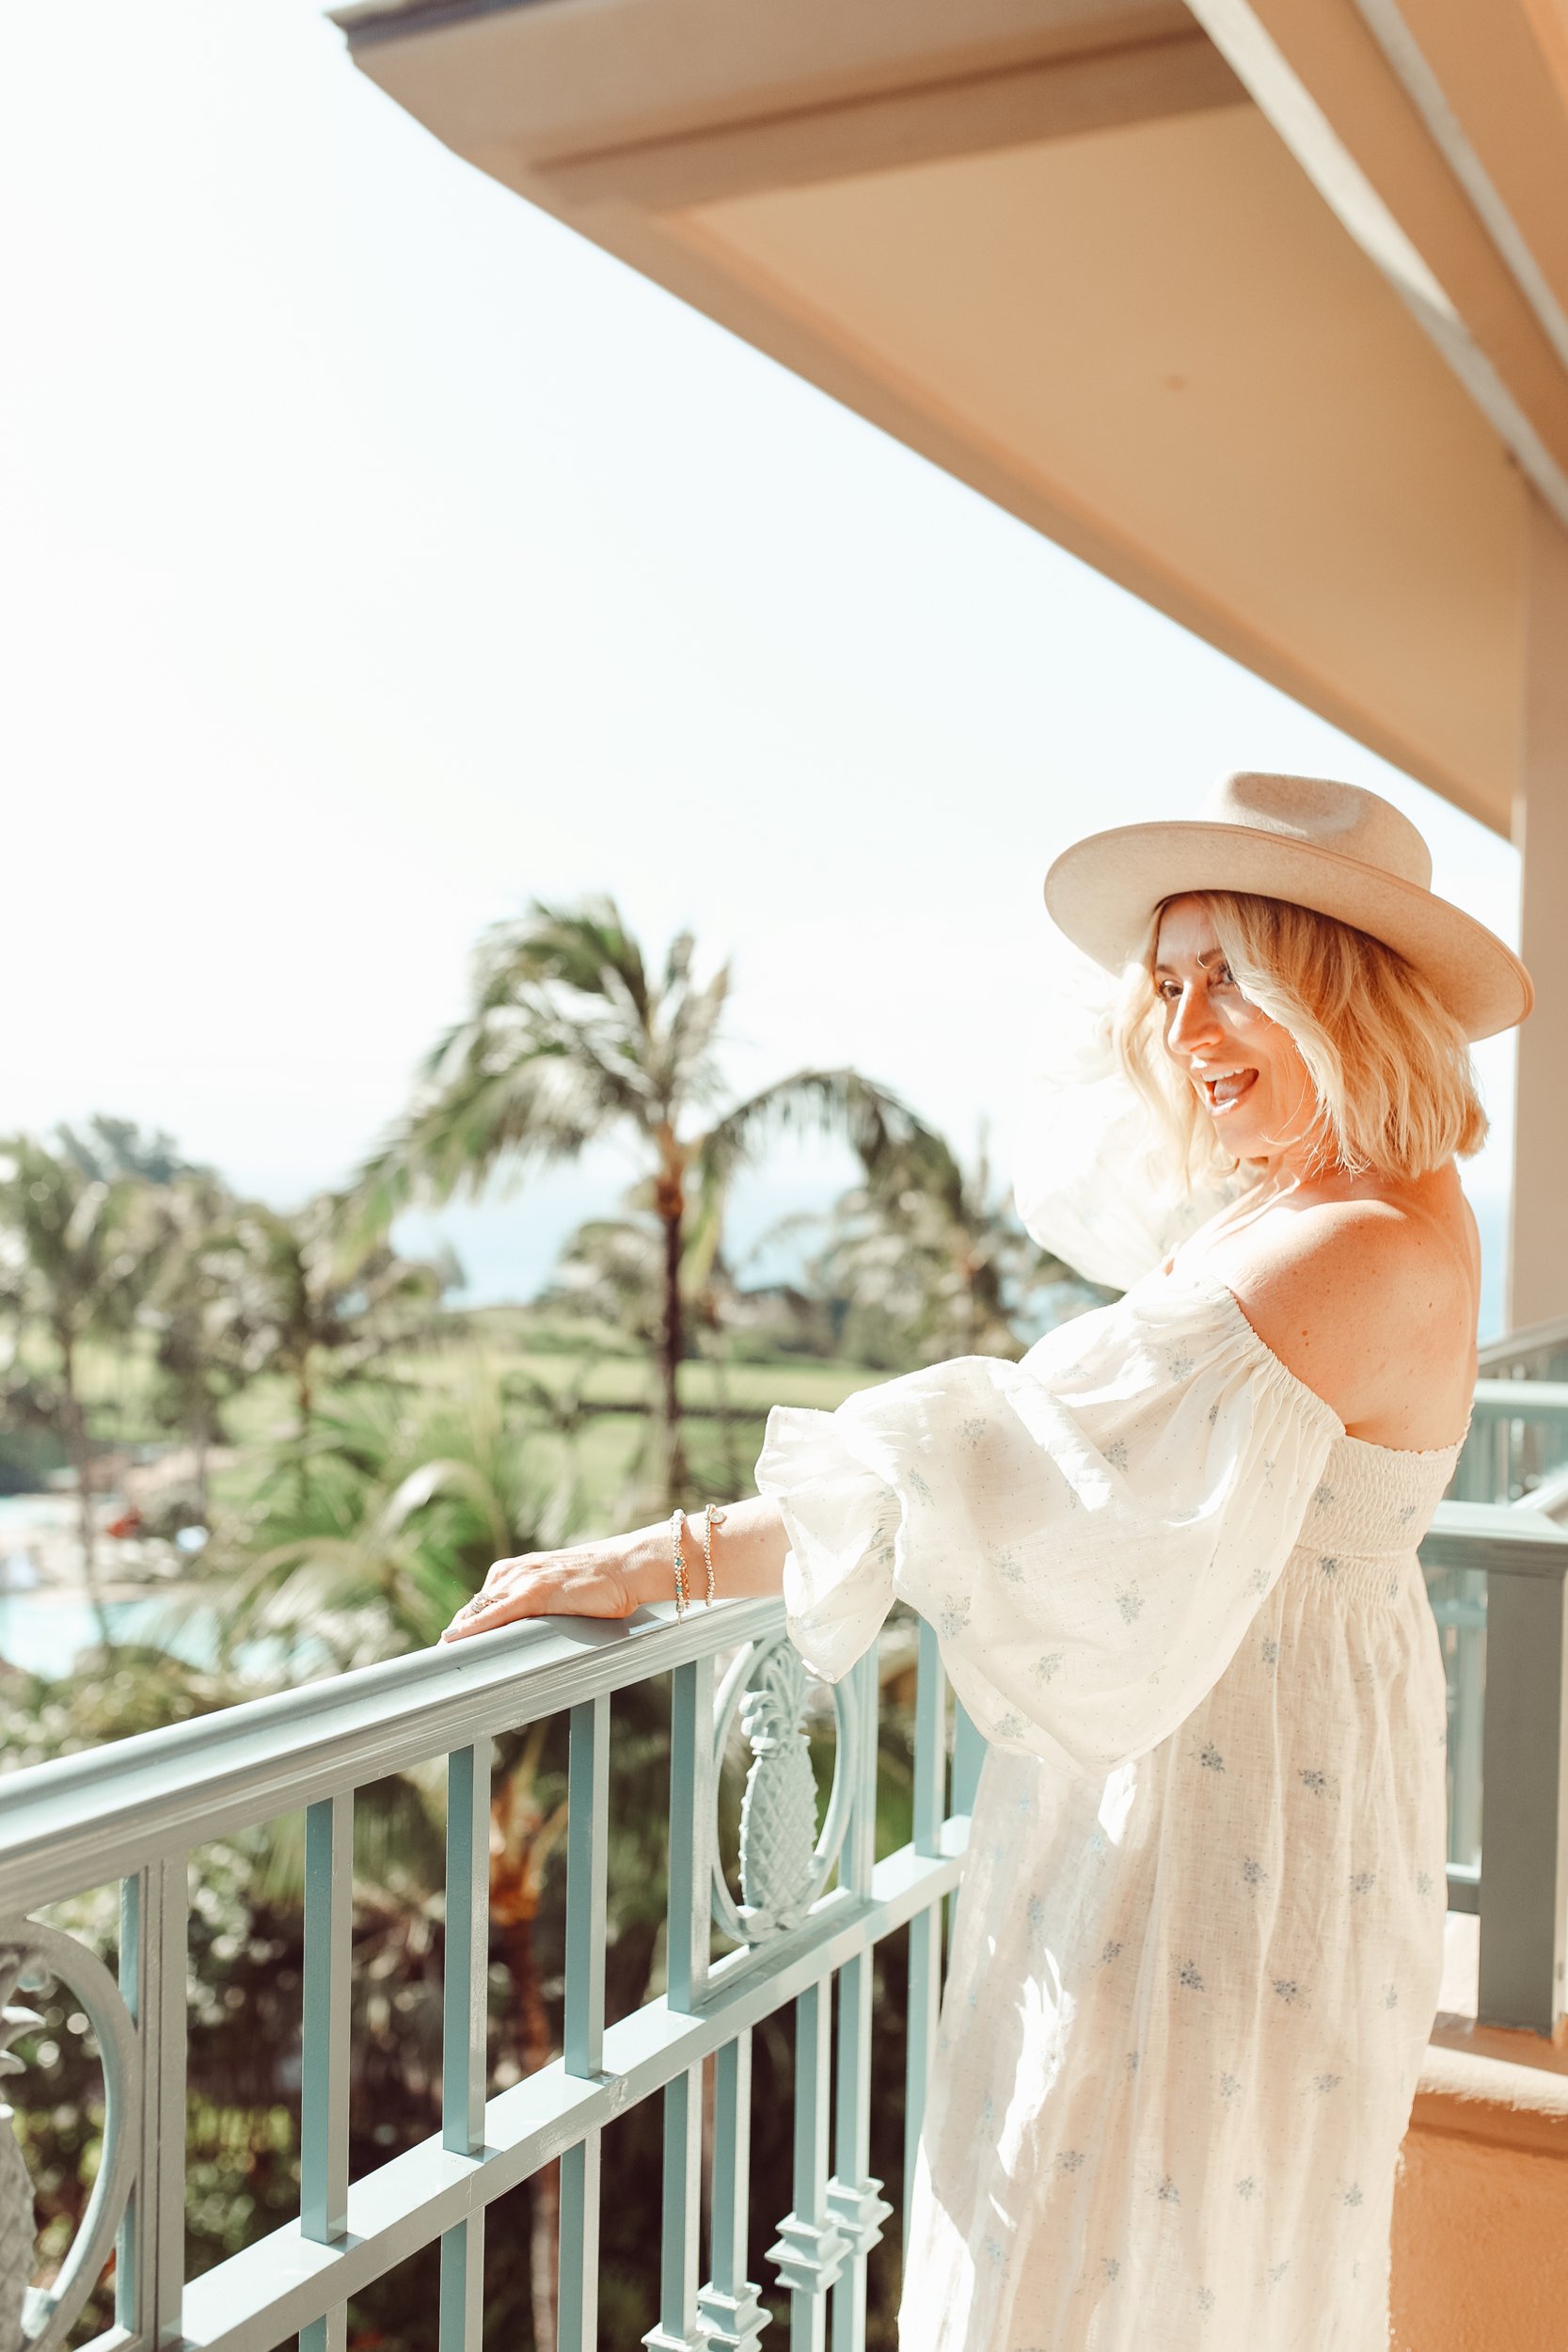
<point x="1332" y="847"/>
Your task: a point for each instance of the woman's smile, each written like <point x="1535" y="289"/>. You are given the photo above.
<point x="1224" y="1089"/>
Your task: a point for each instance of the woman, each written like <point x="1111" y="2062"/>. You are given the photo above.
<point x="1171" y="1559"/>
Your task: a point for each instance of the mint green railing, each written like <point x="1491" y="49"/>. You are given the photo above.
<point x="813" y="1903"/>
<point x="1515" y="1453"/>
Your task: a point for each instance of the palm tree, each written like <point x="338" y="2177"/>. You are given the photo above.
<point x="204" y="1347"/>
<point x="305" y="1290"/>
<point x="79" y="1250"/>
<point x="569" y="1040"/>
<point x="931" y="1260"/>
<point x="402" y="1498"/>
<point x="107" y="1147"/>
<point x="412" y="1496"/>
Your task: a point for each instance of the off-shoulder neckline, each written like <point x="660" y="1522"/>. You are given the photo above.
<point x="1226" y="1298"/>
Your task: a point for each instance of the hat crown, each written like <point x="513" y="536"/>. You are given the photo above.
<point x="1327" y="816"/>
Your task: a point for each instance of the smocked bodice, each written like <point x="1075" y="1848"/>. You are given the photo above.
<point x="1369" y="1511"/>
<point x="1373" y="1500"/>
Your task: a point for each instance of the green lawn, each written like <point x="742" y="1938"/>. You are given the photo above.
<point x="726" y="1405"/>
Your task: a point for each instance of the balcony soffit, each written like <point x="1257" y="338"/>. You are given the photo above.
<point x="1216" y="400"/>
<point x="718" y="145"/>
<point x="550" y="81"/>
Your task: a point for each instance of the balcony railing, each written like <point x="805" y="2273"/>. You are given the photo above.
<point x="1518" y="1438"/>
<point x="1515" y="1453"/>
<point x="1506" y="1567"/>
<point x="813" y="1904"/>
<point x="1539" y="1352"/>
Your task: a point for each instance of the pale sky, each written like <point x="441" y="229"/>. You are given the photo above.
<point x="375" y="555"/>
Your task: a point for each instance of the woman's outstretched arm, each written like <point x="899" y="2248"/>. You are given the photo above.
<point x="611" y="1578"/>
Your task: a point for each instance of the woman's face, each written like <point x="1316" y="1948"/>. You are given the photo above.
<point x="1244" y="1068"/>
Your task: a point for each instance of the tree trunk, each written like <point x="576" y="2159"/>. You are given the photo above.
<point x="670" y="1204"/>
<point x="201" y="1441"/>
<point x="80" y="1450"/>
<point x="726" y="1414"/>
<point x="304" y="1402"/>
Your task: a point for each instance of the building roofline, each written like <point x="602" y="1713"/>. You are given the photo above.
<point x="364" y="22"/>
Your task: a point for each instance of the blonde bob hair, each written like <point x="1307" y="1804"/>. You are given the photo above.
<point x="1389" y="1067"/>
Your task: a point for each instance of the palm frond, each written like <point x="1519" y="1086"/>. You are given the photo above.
<point x="521" y="1116"/>
<point x="449" y="1477"/>
<point x="690" y="1038"/>
<point x="587" y="948"/>
<point x="873" y="1121"/>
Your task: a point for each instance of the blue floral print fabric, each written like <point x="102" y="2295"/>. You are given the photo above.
<point x="1200" y="1940"/>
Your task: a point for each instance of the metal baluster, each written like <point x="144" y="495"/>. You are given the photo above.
<point x="811" y="2246"/>
<point x="687" y="1938"/>
<point x="1523" y="1851"/>
<point x="1468" y="1721"/>
<point x="931" y="1744"/>
<point x="587" y="1847"/>
<point x="676" y="2331"/>
<point x="730" y="2311"/>
<point x="150" y="2263"/>
<point x="323" y="2088"/>
<point x="692" y="1803"/>
<point x="930" y="1787"/>
<point x="969" y="1755"/>
<point x="136" y="2259"/>
<point x="853" y="2197"/>
<point x="578" y="2327"/>
<point x="325" y="2055"/>
<point x="328" y="2334"/>
<point x="465" y="2040"/>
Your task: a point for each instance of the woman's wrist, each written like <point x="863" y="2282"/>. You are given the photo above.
<point x="649" y="1565"/>
<point x="749" y="1548"/>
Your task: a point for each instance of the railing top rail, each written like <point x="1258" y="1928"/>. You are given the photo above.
<point x="1524" y="1400"/>
<point x="1505" y="1539"/>
<point x="1526" y="1343"/>
<point x="82" y="1820"/>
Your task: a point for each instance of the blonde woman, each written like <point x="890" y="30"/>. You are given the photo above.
<point x="1171" y="1559"/>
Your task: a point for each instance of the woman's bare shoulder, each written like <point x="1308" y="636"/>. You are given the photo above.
<point x="1372" y="1303"/>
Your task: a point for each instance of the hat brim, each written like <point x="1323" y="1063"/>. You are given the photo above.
<point x="1103" y="892"/>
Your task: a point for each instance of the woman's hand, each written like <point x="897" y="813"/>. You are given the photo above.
<point x="622" y="1573"/>
<point x="609" y="1579"/>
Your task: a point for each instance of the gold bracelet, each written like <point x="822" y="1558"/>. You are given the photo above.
<point x="711" y="1519"/>
<point x="677" y="1534"/>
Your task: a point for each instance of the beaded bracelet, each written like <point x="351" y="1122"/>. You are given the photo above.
<point x="676" y="1535"/>
<point x="711" y="1519"/>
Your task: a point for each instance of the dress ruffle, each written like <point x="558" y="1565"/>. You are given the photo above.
<point x="1090" y="1531"/>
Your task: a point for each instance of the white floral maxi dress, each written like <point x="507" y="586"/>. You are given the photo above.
<point x="1200" y="1940"/>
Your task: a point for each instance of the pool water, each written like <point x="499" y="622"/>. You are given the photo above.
<point x="45" y="1633"/>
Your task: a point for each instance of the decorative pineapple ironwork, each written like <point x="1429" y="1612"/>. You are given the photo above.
<point x="784" y="1862"/>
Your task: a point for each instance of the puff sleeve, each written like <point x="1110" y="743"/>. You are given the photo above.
<point x="1090" y="1531"/>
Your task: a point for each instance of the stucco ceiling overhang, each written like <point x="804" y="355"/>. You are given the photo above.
<point x="1263" y="315"/>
